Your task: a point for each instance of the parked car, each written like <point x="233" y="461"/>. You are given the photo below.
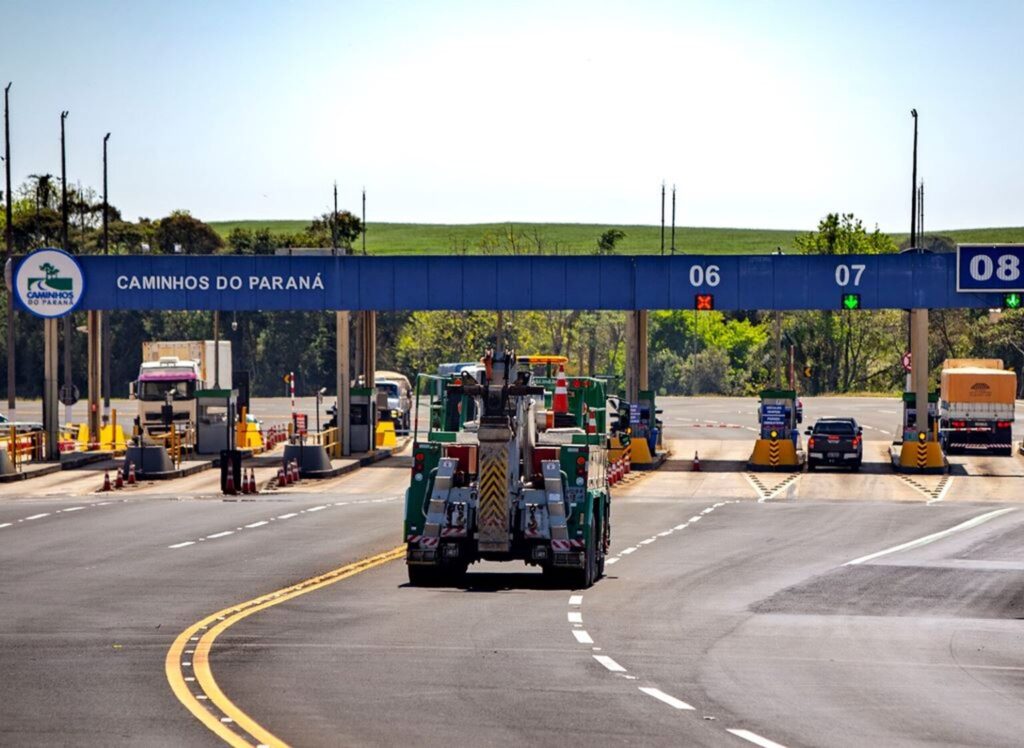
<point x="22" y="427"/>
<point x="835" y="441"/>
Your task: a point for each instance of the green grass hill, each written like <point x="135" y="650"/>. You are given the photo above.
<point x="567" y="238"/>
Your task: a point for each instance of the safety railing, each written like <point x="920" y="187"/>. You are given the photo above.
<point x="23" y="447"/>
<point x="179" y="442"/>
<point x="329" y="439"/>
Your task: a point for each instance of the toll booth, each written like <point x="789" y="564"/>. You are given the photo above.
<point x="361" y="420"/>
<point x="778" y="446"/>
<point x="644" y="430"/>
<point x="215" y="420"/>
<point x="920" y="450"/>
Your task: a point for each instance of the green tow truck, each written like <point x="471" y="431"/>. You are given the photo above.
<point x="513" y="467"/>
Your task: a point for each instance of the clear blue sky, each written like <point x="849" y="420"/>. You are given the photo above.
<point x="765" y="114"/>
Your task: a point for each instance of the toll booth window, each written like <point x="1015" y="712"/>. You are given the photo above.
<point x="157" y="391"/>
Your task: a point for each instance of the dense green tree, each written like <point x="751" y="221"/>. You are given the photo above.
<point x="192" y="235"/>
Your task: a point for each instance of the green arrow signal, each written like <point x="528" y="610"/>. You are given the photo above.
<point x="851" y="301"/>
<point x="1012" y="300"/>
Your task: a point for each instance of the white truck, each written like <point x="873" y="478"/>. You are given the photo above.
<point x="172" y="370"/>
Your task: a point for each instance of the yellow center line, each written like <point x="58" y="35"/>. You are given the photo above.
<point x="206" y="631"/>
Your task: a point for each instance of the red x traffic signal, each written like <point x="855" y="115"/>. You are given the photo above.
<point x="704" y="302"/>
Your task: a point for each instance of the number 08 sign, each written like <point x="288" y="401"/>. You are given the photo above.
<point x="991" y="268"/>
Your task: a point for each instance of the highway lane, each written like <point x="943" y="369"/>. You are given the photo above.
<point x="91" y="599"/>
<point x="711" y="603"/>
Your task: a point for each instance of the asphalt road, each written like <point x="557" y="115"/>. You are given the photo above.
<point x="728" y="593"/>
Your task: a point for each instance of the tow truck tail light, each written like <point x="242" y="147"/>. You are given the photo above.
<point x="958" y="424"/>
<point x="856" y="441"/>
<point x="810" y="443"/>
<point x="1003" y="424"/>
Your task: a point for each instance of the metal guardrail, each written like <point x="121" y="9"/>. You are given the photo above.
<point x="23" y="447"/>
<point x="329" y="439"/>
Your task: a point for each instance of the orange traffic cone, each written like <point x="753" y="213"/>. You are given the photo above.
<point x="592" y="423"/>
<point x="282" y="477"/>
<point x="696" y="462"/>
<point x="295" y="476"/>
<point x="560" y="402"/>
<point x="119" y="480"/>
<point x="106" y="481"/>
<point x="131" y="473"/>
<point x="252" y="481"/>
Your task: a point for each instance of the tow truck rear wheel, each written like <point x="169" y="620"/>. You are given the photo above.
<point x="422" y="575"/>
<point x="584" y="578"/>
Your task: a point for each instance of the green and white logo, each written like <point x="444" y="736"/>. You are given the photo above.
<point x="49" y="283"/>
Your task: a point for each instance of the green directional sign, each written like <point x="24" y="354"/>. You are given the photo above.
<point x="851" y="301"/>
<point x="1012" y="300"/>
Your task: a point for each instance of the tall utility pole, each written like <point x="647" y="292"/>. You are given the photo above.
<point x="334" y="223"/>
<point x="663" y="218"/>
<point x="66" y="247"/>
<point x="673" y="219"/>
<point x="105" y="319"/>
<point x="364" y="220"/>
<point x="9" y="243"/>
<point x="913" y="188"/>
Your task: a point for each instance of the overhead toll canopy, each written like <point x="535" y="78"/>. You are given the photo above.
<point x="733" y="282"/>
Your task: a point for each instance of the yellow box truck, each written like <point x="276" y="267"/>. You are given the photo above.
<point x="976" y="406"/>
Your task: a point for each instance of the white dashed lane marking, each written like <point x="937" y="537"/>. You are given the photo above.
<point x="575" y="616"/>
<point x="37" y="516"/>
<point x="576" y="600"/>
<point x="609" y="663"/>
<point x="289" y="515"/>
<point x="753" y="737"/>
<point x="660" y="695"/>
<point x="582" y="636"/>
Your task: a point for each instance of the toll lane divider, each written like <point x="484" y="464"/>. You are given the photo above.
<point x="187" y="664"/>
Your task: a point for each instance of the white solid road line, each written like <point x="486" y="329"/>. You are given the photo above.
<point x="943" y="492"/>
<point x="931" y="538"/>
<point x="575" y="599"/>
<point x="662" y="696"/>
<point x="582" y="636"/>
<point x="753" y="737"/>
<point x="182" y="545"/>
<point x="609" y="663"/>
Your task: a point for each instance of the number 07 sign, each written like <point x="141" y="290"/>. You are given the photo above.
<point x="990" y="268"/>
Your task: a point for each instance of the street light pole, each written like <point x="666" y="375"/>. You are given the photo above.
<point x="9" y="242"/>
<point x="913" y="190"/>
<point x="65" y="246"/>
<point x="105" y="319"/>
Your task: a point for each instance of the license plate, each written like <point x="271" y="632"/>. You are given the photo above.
<point x="833" y="455"/>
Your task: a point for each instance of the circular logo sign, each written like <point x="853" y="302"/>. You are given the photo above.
<point x="49" y="283"/>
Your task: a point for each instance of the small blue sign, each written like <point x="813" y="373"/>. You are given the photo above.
<point x="773" y="415"/>
<point x="634" y="413"/>
<point x="990" y="268"/>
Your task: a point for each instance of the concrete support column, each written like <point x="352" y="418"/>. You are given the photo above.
<point x="344" y="377"/>
<point x="919" y="356"/>
<point x="51" y="357"/>
<point x="369" y="362"/>
<point x="95" y="346"/>
<point x="636" y="354"/>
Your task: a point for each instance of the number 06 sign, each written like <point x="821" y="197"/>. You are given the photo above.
<point x="991" y="268"/>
